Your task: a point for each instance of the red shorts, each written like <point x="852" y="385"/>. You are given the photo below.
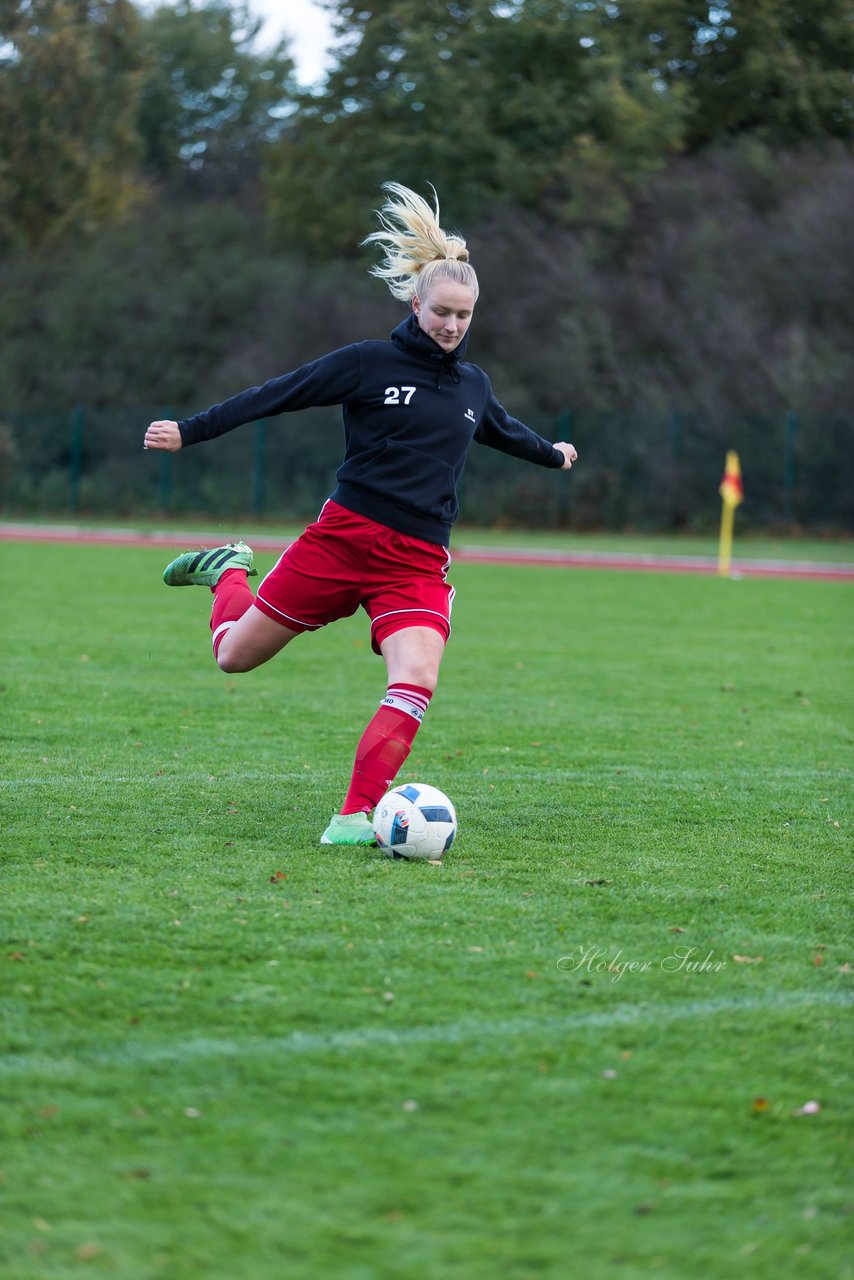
<point x="344" y="560"/>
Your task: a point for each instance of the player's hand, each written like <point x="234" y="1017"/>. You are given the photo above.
<point x="569" y="453"/>
<point x="163" y="435"/>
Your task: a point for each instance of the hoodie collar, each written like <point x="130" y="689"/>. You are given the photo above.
<point x="411" y="337"/>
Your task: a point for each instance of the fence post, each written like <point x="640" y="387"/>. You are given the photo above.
<point x="675" y="434"/>
<point x="258" y="468"/>
<point x="789" y="466"/>
<point x="76" y="458"/>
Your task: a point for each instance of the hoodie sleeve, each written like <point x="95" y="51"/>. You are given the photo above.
<point x="329" y="380"/>
<point x="498" y="430"/>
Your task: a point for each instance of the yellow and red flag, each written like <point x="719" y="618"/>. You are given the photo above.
<point x="731" y="489"/>
<point x="732" y="493"/>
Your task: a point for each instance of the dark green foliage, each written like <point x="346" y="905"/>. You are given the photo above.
<point x="657" y="198"/>
<point x="208" y="101"/>
<point x="487" y="104"/>
<point x="562" y="107"/>
<point x="69" y="91"/>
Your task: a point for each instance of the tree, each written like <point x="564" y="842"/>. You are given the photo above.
<point x="565" y="107"/>
<point x="69" y="87"/>
<point x="777" y="69"/>
<point x="529" y="104"/>
<point x="209" y="100"/>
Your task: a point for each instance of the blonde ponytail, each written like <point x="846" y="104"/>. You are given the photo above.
<point x="417" y="251"/>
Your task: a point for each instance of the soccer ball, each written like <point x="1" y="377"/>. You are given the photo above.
<point x="415" y="821"/>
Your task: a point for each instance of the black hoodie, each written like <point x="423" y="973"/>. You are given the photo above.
<point x="411" y="411"/>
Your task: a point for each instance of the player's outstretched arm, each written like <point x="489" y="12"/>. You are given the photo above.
<point x="569" y="453"/>
<point x="163" y="435"/>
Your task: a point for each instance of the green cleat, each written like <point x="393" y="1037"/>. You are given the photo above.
<point x="205" y="568"/>
<point x="349" y="828"/>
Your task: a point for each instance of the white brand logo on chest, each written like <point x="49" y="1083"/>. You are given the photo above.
<point x="470" y="415"/>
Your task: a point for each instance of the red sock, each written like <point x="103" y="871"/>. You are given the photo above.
<point x="232" y="597"/>
<point x="384" y="745"/>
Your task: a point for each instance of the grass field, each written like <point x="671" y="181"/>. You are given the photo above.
<point x="580" y="1047"/>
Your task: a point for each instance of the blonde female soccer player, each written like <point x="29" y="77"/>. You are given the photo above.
<point x="412" y="407"/>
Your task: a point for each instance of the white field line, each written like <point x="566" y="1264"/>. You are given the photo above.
<point x="80" y="781"/>
<point x="680" y="778"/>
<point x="466" y="1031"/>
<point x="633" y="559"/>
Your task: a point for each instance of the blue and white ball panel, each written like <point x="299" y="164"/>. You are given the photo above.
<point x="415" y="821"/>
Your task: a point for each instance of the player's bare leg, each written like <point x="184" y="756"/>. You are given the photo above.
<point x="251" y="641"/>
<point x="243" y="636"/>
<point x="413" y="656"/>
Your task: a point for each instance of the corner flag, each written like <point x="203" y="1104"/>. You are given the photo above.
<point x="731" y="489"/>
<point x="732" y="493"/>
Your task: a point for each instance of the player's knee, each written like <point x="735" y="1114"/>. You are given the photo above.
<point x="230" y="659"/>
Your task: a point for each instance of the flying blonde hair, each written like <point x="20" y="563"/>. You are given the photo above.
<point x="417" y="251"/>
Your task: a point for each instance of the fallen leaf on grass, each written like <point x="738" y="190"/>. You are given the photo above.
<point x="86" y="1251"/>
<point x="810" y="1108"/>
<point x="278" y="875"/>
<point x="748" y="959"/>
<point x="817" y="959"/>
<point x="760" y="1104"/>
<point x="598" y="882"/>
<point x="676" y="928"/>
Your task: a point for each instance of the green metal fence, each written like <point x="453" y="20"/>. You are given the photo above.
<point x="647" y="472"/>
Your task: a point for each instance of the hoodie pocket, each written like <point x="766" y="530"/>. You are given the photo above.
<point x="405" y="476"/>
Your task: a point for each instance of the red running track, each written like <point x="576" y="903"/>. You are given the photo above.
<point x="631" y="561"/>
